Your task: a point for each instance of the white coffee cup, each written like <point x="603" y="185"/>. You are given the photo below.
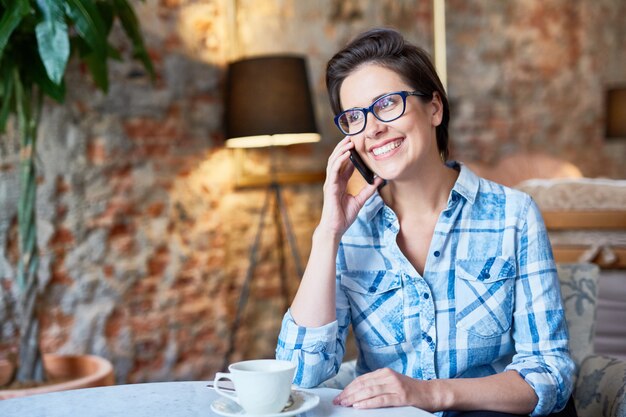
<point x="262" y="386"/>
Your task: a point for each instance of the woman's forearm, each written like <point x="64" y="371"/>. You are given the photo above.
<point x="505" y="392"/>
<point x="314" y="303"/>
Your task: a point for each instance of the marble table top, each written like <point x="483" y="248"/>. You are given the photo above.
<point x="171" y="399"/>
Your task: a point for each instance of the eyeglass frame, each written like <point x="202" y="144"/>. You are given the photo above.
<point x="370" y="109"/>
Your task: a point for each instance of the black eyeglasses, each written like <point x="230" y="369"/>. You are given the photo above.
<point x="386" y="109"/>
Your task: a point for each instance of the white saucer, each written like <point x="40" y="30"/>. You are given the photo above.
<point x="302" y="402"/>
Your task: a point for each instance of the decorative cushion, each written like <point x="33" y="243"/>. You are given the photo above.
<point x="610" y="337"/>
<point x="579" y="290"/>
<point x="601" y="388"/>
<point x="583" y="194"/>
<point x="577" y="194"/>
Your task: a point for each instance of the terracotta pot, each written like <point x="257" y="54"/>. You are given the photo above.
<point x="85" y="371"/>
<point x="6" y="371"/>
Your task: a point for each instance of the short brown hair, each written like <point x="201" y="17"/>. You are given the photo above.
<point x="388" y="48"/>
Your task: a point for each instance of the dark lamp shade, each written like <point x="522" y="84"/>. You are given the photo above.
<point x="616" y="113"/>
<point x="268" y="103"/>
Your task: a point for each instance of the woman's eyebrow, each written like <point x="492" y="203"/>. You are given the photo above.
<point x="371" y="101"/>
<point x="377" y="97"/>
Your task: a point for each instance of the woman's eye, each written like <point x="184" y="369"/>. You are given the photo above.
<point x="354" y="116"/>
<point x="385" y="103"/>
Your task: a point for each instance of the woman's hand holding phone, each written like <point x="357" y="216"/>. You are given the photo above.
<point x="341" y="208"/>
<point x="314" y="304"/>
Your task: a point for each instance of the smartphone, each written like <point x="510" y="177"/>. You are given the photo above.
<point x="367" y="173"/>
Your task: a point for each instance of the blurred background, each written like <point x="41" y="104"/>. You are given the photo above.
<point x="144" y="233"/>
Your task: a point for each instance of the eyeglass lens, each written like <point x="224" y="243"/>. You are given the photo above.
<point x="386" y="109"/>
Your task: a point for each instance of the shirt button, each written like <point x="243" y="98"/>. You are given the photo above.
<point x="436" y="253"/>
<point x="429" y="339"/>
<point x="426" y="295"/>
<point x="372" y="289"/>
<point x="448" y="214"/>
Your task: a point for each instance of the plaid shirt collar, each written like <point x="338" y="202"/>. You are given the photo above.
<point x="466" y="186"/>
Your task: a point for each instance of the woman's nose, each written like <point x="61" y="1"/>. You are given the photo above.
<point x="373" y="126"/>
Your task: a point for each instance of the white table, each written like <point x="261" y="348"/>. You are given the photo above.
<point x="167" y="399"/>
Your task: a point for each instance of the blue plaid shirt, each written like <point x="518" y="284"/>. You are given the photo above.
<point x="488" y="300"/>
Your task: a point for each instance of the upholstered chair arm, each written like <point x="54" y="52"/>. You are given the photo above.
<point x="601" y="387"/>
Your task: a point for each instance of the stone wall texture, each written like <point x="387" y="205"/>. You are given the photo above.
<point x="143" y="234"/>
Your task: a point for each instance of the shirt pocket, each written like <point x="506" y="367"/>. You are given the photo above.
<point x="376" y="306"/>
<point x="484" y="295"/>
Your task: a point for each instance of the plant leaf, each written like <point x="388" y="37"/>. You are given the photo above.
<point x="88" y="22"/>
<point x="113" y="53"/>
<point x="130" y="23"/>
<point x="98" y="68"/>
<point x="38" y="74"/>
<point x="53" y="40"/>
<point x="91" y="28"/>
<point x="7" y="97"/>
<point x="105" y="9"/>
<point x="11" y="18"/>
<point x="55" y="91"/>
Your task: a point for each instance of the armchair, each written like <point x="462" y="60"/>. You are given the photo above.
<point x="600" y="387"/>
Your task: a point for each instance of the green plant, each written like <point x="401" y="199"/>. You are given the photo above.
<point x="37" y="39"/>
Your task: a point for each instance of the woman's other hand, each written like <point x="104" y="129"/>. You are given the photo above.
<point x="506" y="392"/>
<point x="341" y="208"/>
<point x="388" y="388"/>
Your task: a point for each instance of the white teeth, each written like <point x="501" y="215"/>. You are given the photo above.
<point x="387" y="148"/>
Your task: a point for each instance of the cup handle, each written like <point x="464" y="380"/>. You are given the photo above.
<point x="218" y="377"/>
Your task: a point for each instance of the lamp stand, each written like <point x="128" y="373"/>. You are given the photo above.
<point x="281" y="221"/>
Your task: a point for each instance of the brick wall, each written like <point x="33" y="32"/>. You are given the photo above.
<point x="530" y="76"/>
<point x="144" y="236"/>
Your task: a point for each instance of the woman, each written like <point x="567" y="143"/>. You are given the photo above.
<point x="447" y="279"/>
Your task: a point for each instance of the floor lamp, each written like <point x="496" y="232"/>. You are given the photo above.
<point x="268" y="104"/>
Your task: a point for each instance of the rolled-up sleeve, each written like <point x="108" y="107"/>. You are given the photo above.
<point x="541" y="338"/>
<point x="314" y="350"/>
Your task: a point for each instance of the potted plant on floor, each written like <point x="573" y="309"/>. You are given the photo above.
<point x="37" y="39"/>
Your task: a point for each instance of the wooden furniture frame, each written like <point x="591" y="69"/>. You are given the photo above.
<point x="587" y="221"/>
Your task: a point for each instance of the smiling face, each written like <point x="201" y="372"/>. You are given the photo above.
<point x="399" y="149"/>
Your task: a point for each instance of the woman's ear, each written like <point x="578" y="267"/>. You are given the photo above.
<point x="436" y="107"/>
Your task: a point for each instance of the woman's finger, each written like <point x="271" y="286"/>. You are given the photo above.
<point x="347" y="170"/>
<point x="337" y="147"/>
<point x="367" y="191"/>
<point x="379" y="401"/>
<point x="369" y="396"/>
<point x="338" y="165"/>
<point x="341" y="147"/>
<point x="355" y="388"/>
